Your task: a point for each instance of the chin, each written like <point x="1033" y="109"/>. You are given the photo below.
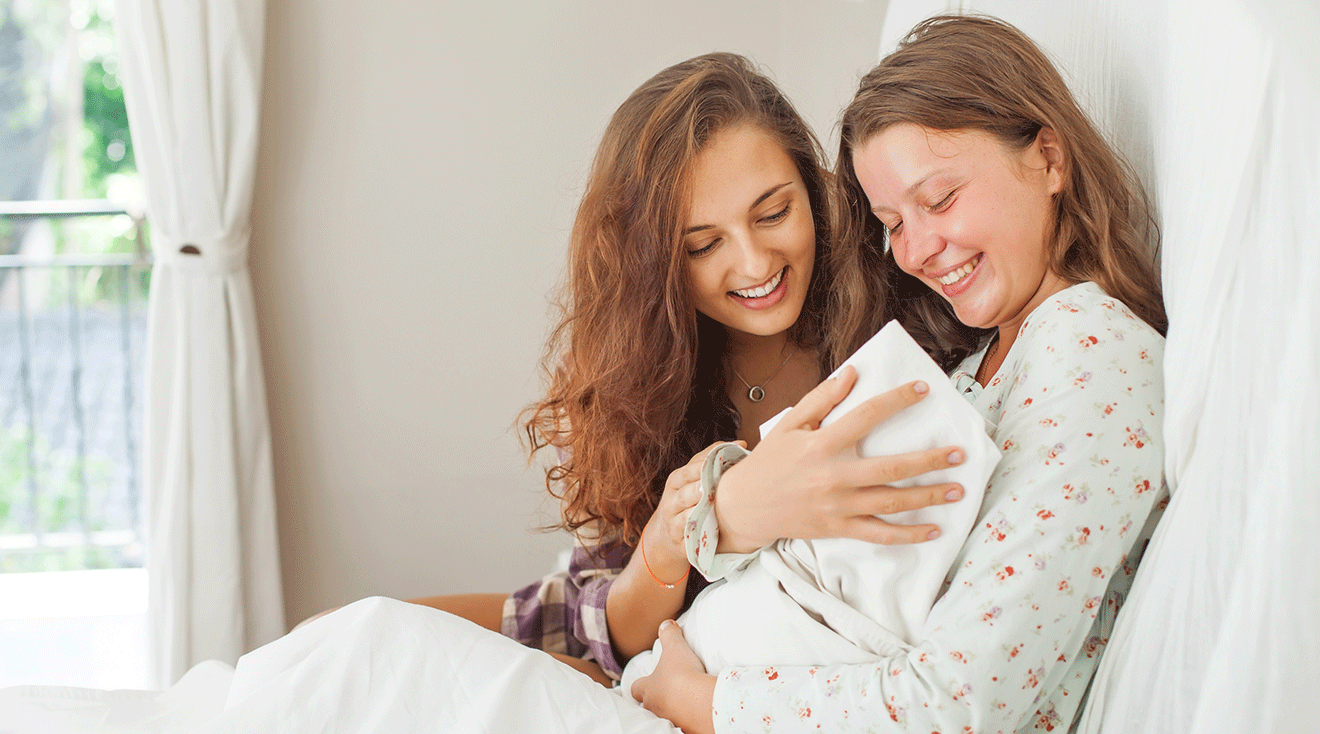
<point x="975" y="321"/>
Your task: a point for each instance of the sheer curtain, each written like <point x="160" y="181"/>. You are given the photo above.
<point x="1222" y="631"/>
<point x="192" y="87"/>
<point x="1215" y="102"/>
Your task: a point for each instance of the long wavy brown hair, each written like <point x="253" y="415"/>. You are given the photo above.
<point x="979" y="73"/>
<point x="636" y="376"/>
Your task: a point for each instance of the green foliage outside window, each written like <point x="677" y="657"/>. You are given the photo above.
<point x="45" y="130"/>
<point x="64" y="135"/>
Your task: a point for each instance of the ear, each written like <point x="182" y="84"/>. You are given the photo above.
<point x="1047" y="144"/>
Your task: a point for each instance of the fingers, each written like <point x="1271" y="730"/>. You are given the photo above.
<point x="815" y="405"/>
<point x="639" y="687"/>
<point x="856" y="423"/>
<point x="685" y="474"/>
<point x="669" y="632"/>
<point x="691" y="471"/>
<point x="690" y="494"/>
<point x="879" y="470"/>
<point x="673" y="644"/>
<point x="874" y="530"/>
<point x="679" y="499"/>
<point x="890" y="500"/>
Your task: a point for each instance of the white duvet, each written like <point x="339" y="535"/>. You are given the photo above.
<point x="377" y="665"/>
<point x="381" y="665"/>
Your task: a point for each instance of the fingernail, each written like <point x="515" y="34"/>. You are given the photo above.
<point x="953" y="495"/>
<point x="956" y="456"/>
<point x="921" y="387"/>
<point x="933" y="535"/>
<point x="666" y="624"/>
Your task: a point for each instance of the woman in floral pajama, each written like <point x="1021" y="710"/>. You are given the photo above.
<point x="973" y="180"/>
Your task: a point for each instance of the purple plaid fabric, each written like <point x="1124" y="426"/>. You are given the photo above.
<point x="565" y="611"/>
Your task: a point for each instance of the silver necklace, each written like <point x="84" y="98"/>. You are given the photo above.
<point x="756" y="393"/>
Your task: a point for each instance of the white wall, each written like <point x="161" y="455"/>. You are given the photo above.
<point x="420" y="164"/>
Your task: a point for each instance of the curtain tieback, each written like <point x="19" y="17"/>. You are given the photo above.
<point x="225" y="255"/>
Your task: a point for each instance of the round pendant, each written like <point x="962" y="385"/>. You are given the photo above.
<point x="756" y="394"/>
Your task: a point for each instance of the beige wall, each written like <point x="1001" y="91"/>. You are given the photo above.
<point x="420" y="162"/>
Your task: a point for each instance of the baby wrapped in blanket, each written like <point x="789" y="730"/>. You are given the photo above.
<point x="839" y="601"/>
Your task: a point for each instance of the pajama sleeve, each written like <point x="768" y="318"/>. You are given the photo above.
<point x="1012" y="643"/>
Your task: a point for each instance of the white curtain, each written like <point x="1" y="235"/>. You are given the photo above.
<point x="1216" y="103"/>
<point x="193" y="89"/>
<point x="1222" y="631"/>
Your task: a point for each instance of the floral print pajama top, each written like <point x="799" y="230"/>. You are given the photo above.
<point x="1013" y="642"/>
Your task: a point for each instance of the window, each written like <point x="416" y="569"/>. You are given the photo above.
<point x="74" y="273"/>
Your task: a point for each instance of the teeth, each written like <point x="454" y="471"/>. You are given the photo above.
<point x="960" y="273"/>
<point x="763" y="290"/>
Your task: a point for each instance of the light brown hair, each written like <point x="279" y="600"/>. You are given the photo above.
<point x="636" y="376"/>
<point x="977" y="73"/>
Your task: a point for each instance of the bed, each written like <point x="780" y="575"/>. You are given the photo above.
<point x="1214" y="102"/>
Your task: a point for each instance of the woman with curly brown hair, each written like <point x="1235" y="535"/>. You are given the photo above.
<point x="697" y="306"/>
<point x="699" y="303"/>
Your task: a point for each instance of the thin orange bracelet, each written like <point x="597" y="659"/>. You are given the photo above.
<point x="642" y="546"/>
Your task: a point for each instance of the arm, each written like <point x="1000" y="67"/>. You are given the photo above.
<point x="607" y="607"/>
<point x="652" y="586"/>
<point x="483" y="609"/>
<point x="1016" y="635"/>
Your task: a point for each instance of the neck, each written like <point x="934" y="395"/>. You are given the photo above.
<point x="754" y="357"/>
<point x="1008" y="331"/>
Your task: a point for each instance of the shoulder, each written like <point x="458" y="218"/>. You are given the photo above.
<point x="1083" y="345"/>
<point x="1082" y="323"/>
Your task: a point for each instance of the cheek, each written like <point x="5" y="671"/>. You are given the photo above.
<point x="805" y="240"/>
<point x="703" y="282"/>
<point x="899" y="249"/>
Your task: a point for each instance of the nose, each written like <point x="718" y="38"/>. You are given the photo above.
<point x="754" y="258"/>
<point x="916" y="245"/>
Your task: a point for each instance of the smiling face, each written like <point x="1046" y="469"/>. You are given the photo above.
<point x="967" y="216"/>
<point x="749" y="235"/>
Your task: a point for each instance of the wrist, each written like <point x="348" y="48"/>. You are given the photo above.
<point x="730" y="539"/>
<point x="666" y="563"/>
<point x="700" y="717"/>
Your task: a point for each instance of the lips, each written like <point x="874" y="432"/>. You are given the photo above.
<point x="764" y="296"/>
<point x="953" y="276"/>
<point x="763" y="289"/>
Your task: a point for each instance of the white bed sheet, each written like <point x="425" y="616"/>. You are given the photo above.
<point x="377" y="665"/>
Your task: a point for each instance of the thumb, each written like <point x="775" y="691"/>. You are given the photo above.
<point x="671" y="636"/>
<point x="674" y="645"/>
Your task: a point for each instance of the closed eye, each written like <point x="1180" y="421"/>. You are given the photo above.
<point x="777" y="216"/>
<point x="942" y="203"/>
<point x="702" y="251"/>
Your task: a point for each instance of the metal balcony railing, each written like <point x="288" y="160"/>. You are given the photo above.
<point x="70" y="397"/>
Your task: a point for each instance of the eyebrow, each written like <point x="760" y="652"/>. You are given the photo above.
<point x="913" y="188"/>
<point x="768" y="193"/>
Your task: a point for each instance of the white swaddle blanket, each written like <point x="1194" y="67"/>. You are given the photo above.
<point x="816" y="602"/>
